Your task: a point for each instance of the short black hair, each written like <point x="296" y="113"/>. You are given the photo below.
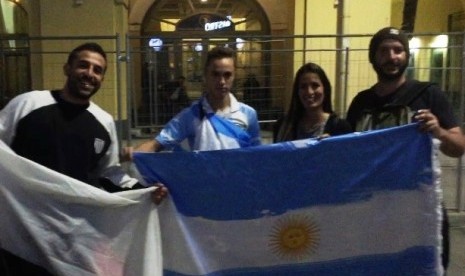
<point x="89" y="46"/>
<point x="219" y="52"/>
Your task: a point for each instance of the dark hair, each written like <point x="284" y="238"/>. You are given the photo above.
<point x="296" y="104"/>
<point x="296" y="109"/>
<point x="387" y="33"/>
<point x="219" y="52"/>
<point x="90" y="46"/>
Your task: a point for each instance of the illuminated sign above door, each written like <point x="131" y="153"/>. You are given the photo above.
<point x="205" y="22"/>
<point x="218" y="25"/>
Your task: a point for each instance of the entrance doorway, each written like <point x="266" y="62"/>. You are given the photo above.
<point x="184" y="39"/>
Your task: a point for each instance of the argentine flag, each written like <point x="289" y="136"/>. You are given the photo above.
<point x="357" y="204"/>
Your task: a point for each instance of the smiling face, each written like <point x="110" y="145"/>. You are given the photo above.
<point x="311" y="91"/>
<point x="85" y="75"/>
<point x="390" y="60"/>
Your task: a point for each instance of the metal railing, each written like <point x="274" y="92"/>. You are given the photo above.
<point x="140" y="79"/>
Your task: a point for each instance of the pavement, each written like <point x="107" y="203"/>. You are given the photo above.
<point x="457" y="244"/>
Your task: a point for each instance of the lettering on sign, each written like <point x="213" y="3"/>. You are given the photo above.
<point x="211" y="26"/>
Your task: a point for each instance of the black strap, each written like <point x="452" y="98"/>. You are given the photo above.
<point x="409" y="92"/>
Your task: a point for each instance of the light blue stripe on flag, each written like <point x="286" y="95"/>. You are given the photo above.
<point x="236" y="183"/>
<point x="358" y="204"/>
<point x="229" y="129"/>
<point x="415" y="261"/>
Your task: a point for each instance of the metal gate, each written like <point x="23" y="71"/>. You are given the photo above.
<point x="264" y="76"/>
<point x="140" y="77"/>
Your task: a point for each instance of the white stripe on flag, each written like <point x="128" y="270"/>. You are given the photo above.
<point x="339" y="231"/>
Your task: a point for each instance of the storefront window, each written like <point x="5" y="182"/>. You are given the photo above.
<point x="14" y="51"/>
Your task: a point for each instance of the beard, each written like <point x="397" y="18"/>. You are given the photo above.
<point x="79" y="91"/>
<point x="387" y="76"/>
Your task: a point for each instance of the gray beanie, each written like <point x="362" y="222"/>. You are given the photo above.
<point x="387" y="33"/>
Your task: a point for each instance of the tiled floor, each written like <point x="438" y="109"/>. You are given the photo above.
<point x="457" y="235"/>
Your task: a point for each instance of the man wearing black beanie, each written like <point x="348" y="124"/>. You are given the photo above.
<point x="389" y="55"/>
<point x="389" y="33"/>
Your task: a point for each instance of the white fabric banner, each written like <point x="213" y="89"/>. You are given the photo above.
<point x="72" y="228"/>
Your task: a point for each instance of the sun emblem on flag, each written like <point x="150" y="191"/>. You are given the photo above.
<point x="294" y="237"/>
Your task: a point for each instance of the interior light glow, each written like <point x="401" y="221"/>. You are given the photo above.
<point x="440" y="41"/>
<point x="239" y="43"/>
<point x="414" y="45"/>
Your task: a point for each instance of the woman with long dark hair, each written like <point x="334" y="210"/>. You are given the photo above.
<point x="310" y="114"/>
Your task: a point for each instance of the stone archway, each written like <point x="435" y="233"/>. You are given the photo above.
<point x="138" y="9"/>
<point x="162" y="19"/>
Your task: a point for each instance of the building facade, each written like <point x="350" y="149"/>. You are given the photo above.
<point x="187" y="26"/>
<point x="151" y="43"/>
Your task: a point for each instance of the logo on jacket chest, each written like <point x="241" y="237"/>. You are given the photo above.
<point x="99" y="144"/>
